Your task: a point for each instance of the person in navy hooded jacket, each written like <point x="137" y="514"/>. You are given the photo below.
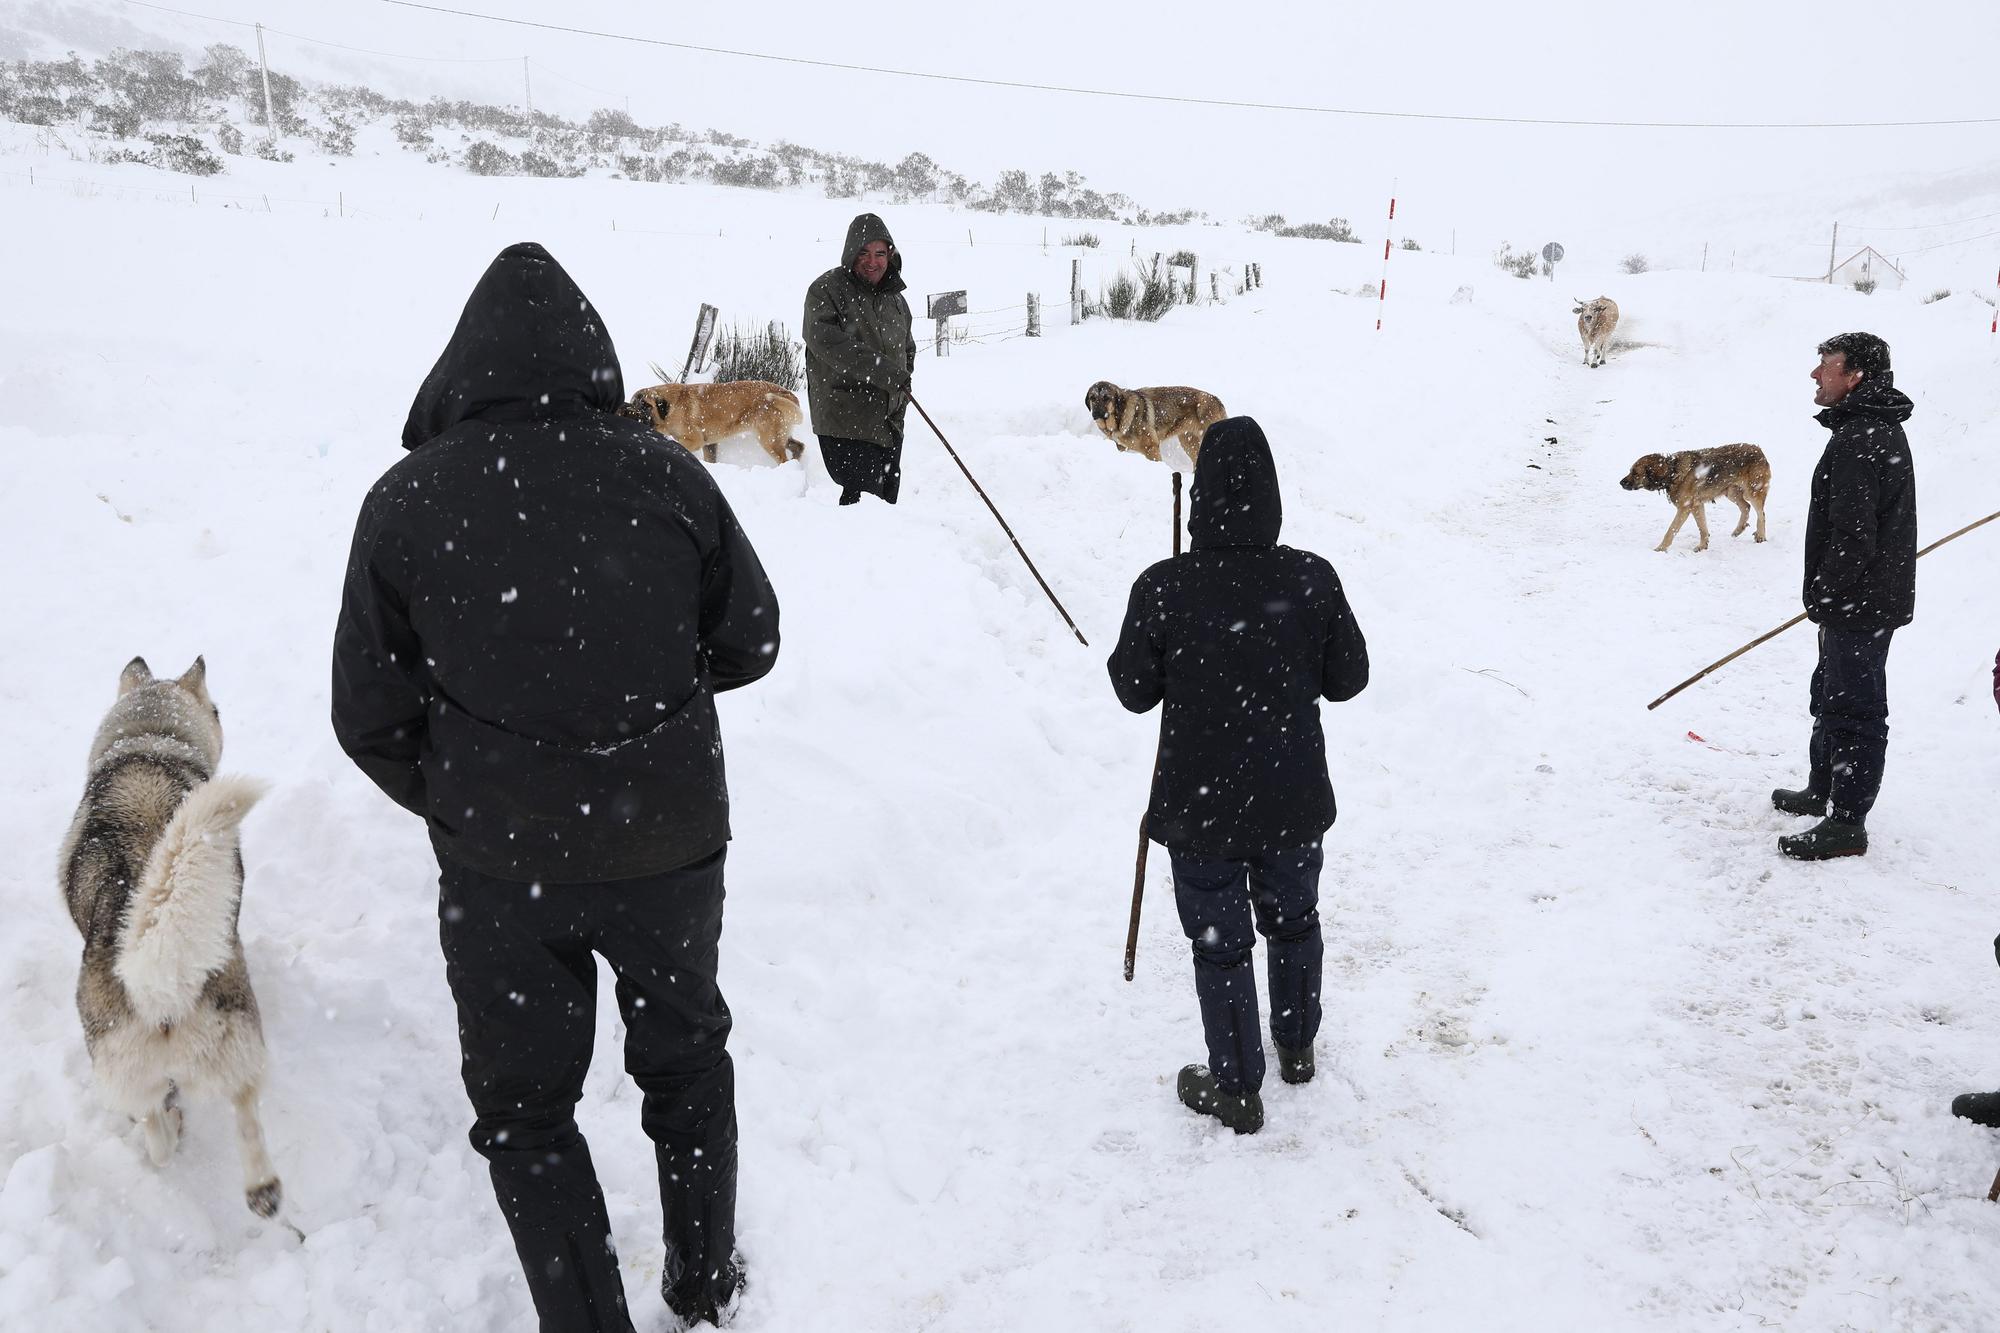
<point x="1239" y="639"/>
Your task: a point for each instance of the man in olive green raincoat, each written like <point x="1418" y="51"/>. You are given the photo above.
<point x="859" y="357"/>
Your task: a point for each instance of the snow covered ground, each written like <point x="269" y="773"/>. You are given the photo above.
<point x="1594" y="1056"/>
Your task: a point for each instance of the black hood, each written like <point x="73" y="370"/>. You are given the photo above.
<point x="1876" y="397"/>
<point x="865" y="228"/>
<point x="1235" y="499"/>
<point x="528" y="347"/>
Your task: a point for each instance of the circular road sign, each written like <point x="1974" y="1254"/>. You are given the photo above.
<point x="1553" y="252"/>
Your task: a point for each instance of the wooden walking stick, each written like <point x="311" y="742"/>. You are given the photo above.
<point x="1762" y="638"/>
<point x="1139" y="870"/>
<point x="1003" y="522"/>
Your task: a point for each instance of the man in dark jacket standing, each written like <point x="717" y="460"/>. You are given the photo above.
<point x="1241" y="638"/>
<point x="859" y="359"/>
<point x="1860" y="587"/>
<point x="541" y="602"/>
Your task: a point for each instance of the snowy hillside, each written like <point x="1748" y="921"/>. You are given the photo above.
<point x="1594" y="1055"/>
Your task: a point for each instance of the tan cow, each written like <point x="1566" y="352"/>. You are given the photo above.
<point x="1594" y="321"/>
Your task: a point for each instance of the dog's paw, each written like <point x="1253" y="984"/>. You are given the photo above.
<point x="265" y="1198"/>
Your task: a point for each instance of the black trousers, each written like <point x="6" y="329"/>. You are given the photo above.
<point x="862" y="465"/>
<point x="520" y="961"/>
<point x="1217" y="902"/>
<point x="1850" y="712"/>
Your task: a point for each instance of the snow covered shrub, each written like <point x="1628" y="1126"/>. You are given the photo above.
<point x="336" y="140"/>
<point x="1117" y="297"/>
<point x="413" y="132"/>
<point x="175" y="152"/>
<point x="1409" y="243"/>
<point x="1333" y="229"/>
<point x="1866" y="286"/>
<point x="1181" y="259"/>
<point x="1156" y="296"/>
<point x="270" y="151"/>
<point x="229" y="139"/>
<point x="759" y="354"/>
<point x="486" y="158"/>
<point x="1521" y="265"/>
<point x="1086" y="239"/>
<point x="750" y="173"/>
<point x="1635" y="263"/>
<point x="1937" y="295"/>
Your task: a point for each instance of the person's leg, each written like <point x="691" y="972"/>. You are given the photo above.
<point x="1854" y="713"/>
<point x="519" y="965"/>
<point x="1819" y="778"/>
<point x="1284" y="892"/>
<point x="663" y="943"/>
<point x="1215" y="915"/>
<point x="892" y="472"/>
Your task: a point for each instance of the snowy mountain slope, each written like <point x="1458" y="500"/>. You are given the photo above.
<point x="1595" y="1055"/>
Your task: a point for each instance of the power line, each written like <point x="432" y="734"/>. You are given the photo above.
<point x="1194" y="101"/>
<point x="338" y="46"/>
<point x="1932" y="226"/>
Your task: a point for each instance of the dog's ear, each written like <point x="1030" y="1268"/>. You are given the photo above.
<point x="135" y="674"/>
<point x="195" y="679"/>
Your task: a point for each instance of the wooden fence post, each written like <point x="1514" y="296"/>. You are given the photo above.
<point x="1076" y="291"/>
<point x="1214" y="292"/>
<point x="1034" y="315"/>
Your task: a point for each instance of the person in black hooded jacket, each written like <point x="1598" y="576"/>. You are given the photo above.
<point x="1860" y="587"/>
<point x="1240" y="638"/>
<point x="541" y="602"/>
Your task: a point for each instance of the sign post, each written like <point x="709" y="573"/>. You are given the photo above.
<point x="941" y="306"/>
<point x="704" y="332"/>
<point x="1552" y="254"/>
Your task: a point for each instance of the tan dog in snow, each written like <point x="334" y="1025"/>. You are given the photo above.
<point x="1695" y="477"/>
<point x="700" y="416"/>
<point x="1141" y="420"/>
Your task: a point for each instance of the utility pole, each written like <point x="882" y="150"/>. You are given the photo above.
<point x="263" y="65"/>
<point x="528" y="96"/>
<point x="1832" y="246"/>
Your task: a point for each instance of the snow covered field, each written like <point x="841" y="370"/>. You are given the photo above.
<point x="1594" y="1055"/>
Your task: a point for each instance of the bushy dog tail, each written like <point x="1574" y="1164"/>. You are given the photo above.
<point x="180" y="923"/>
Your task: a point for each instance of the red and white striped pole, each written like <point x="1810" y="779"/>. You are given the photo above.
<point x="1382" y="294"/>
<point x="1996" y="307"/>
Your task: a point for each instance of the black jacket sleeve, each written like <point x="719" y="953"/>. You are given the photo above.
<point x="739" y="609"/>
<point x="1344" y="671"/>
<point x="380" y="686"/>
<point x="1138" y="663"/>
<point x="1851" y="523"/>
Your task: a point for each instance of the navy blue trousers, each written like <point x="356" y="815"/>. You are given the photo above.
<point x="1218" y="903"/>
<point x="1850" y="712"/>
<point x="520" y="959"/>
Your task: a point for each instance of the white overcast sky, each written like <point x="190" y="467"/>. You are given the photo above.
<point x="1750" y="60"/>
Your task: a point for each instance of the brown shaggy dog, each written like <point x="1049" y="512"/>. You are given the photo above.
<point x="700" y="416"/>
<point x="1694" y="477"/>
<point x="1141" y="420"/>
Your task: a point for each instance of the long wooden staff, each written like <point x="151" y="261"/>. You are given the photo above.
<point x="1761" y="638"/>
<point x="1139" y="870"/>
<point x="1003" y="522"/>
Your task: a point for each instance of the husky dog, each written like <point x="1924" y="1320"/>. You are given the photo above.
<point x="153" y="876"/>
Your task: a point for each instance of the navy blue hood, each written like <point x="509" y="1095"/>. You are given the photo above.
<point x="1235" y="499"/>
<point x="528" y="347"/>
